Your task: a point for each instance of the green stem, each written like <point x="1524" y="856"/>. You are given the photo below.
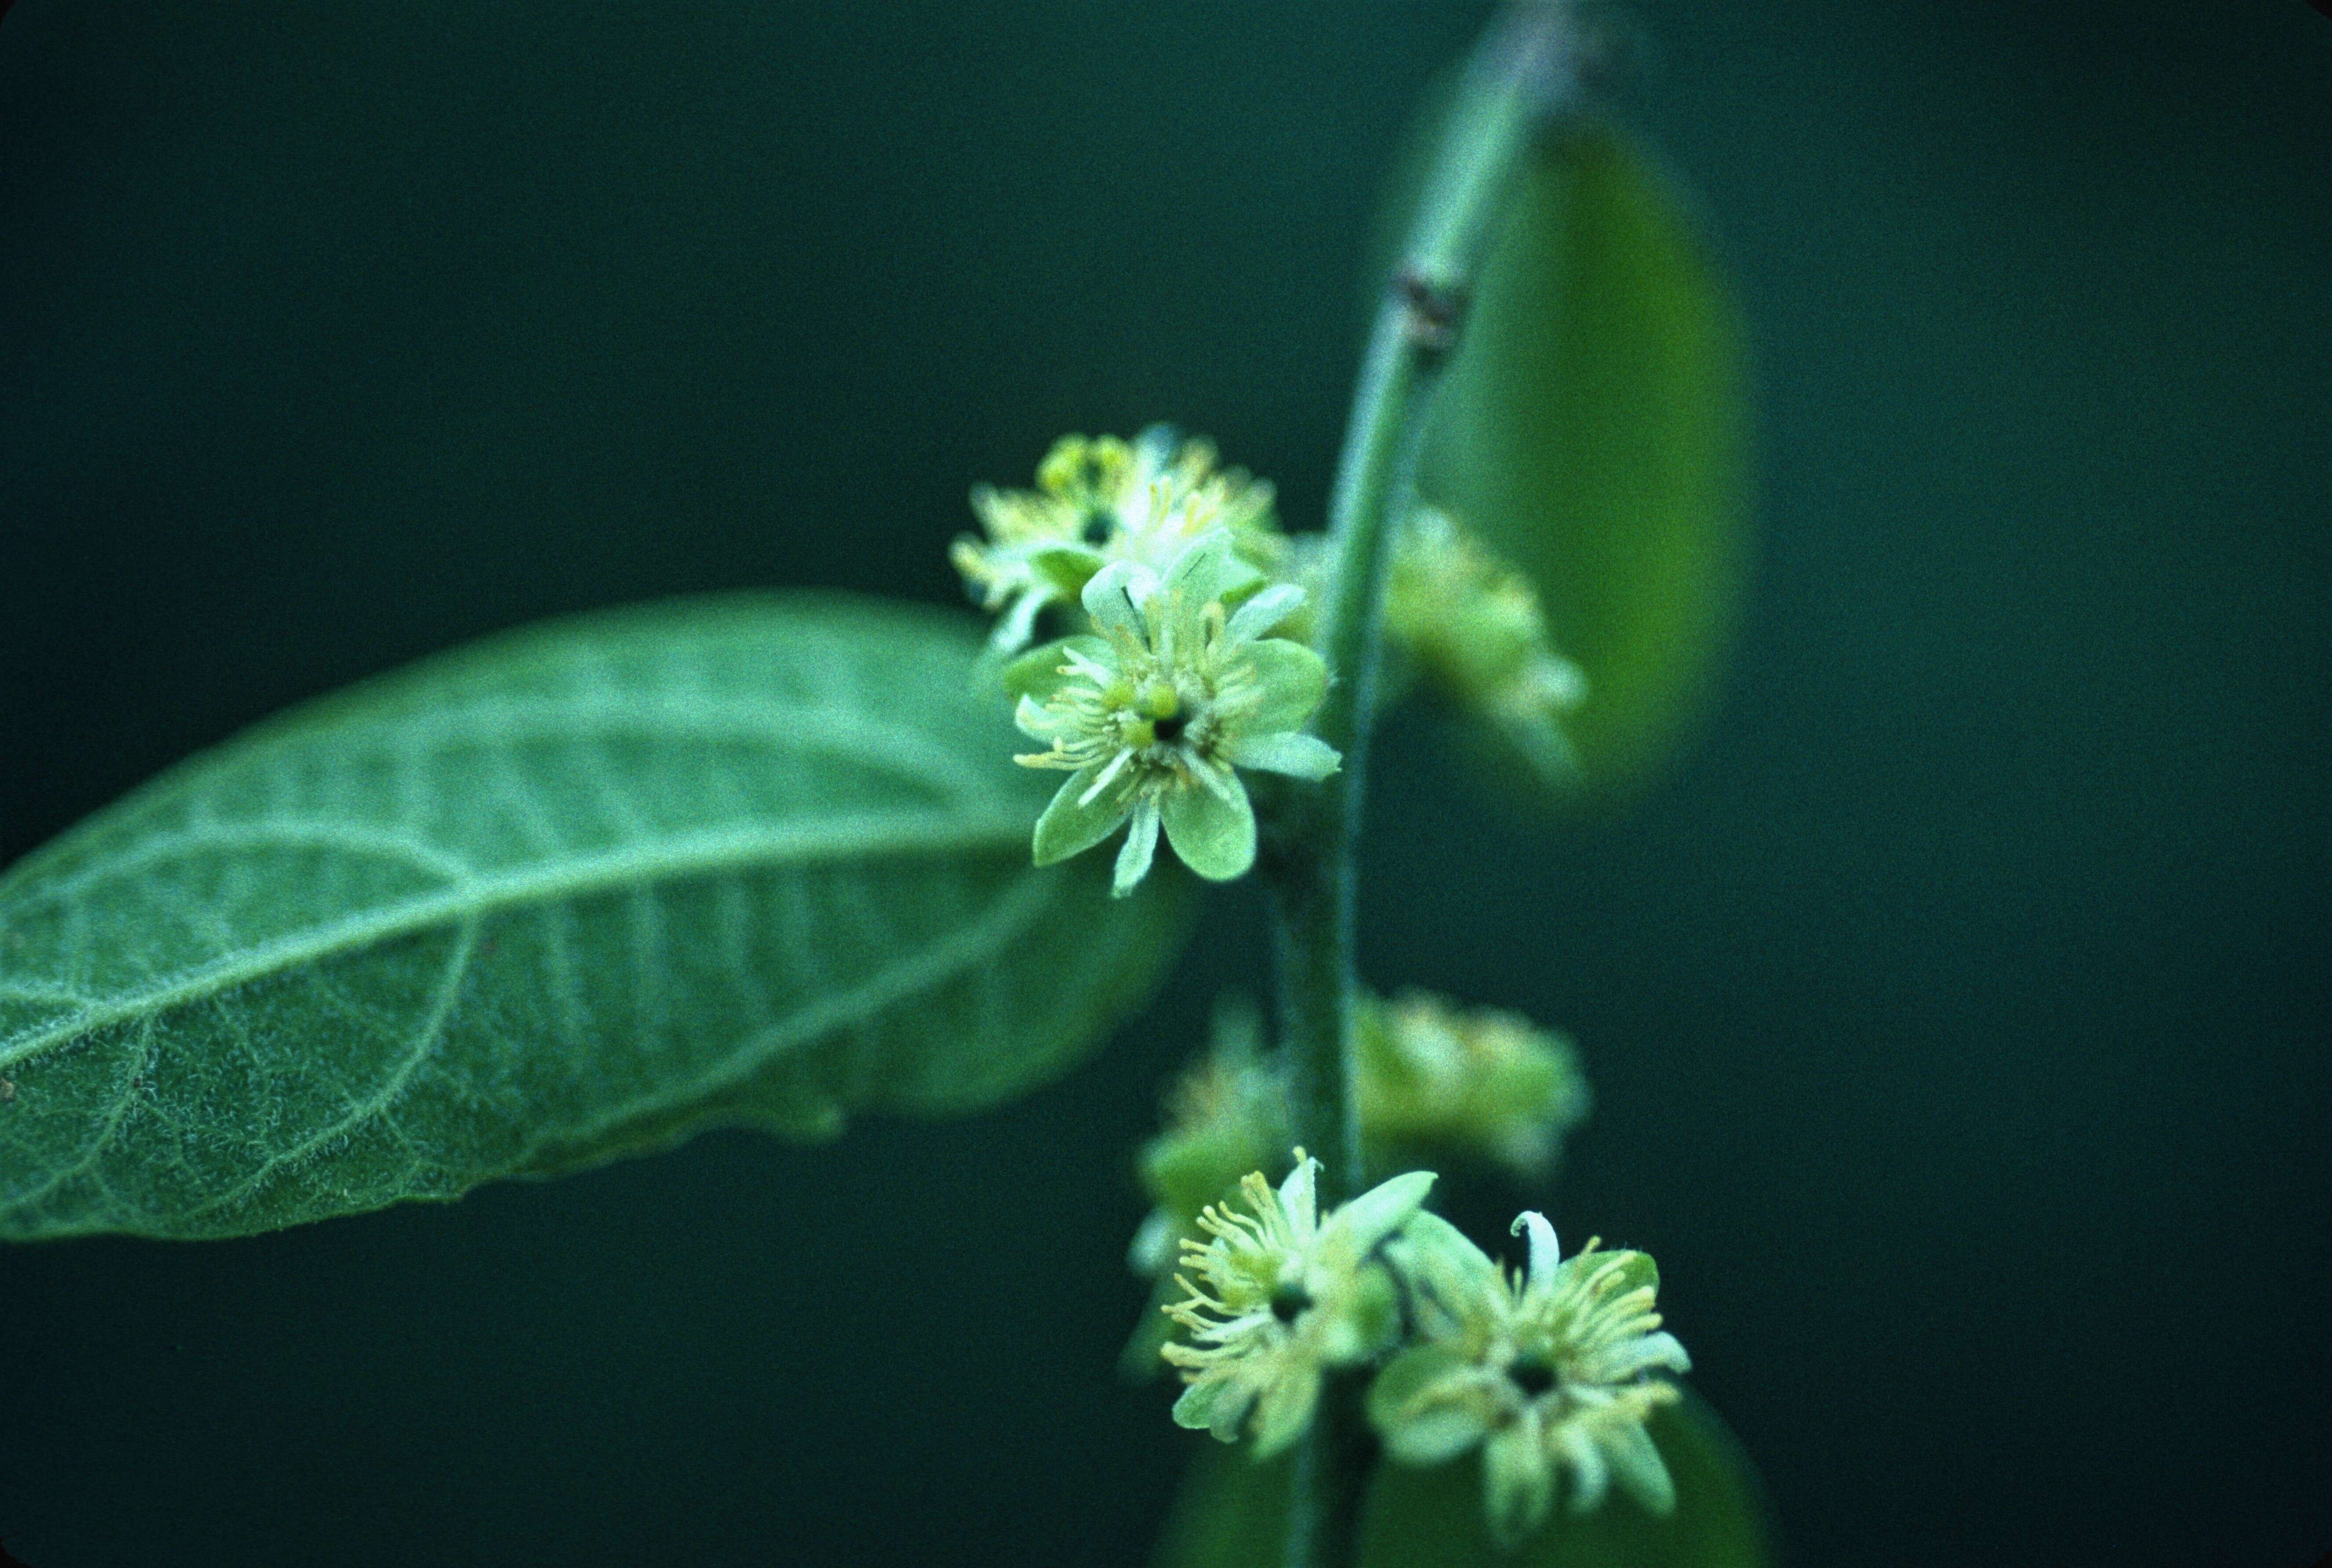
<point x="1523" y="68"/>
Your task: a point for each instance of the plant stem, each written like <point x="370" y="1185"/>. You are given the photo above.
<point x="1523" y="67"/>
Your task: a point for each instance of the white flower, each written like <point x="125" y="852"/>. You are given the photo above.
<point x="1548" y="1370"/>
<point x="1282" y="1295"/>
<point x="1151" y="716"/>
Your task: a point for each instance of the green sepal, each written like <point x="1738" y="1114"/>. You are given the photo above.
<point x="1636" y="1269"/>
<point x="1219" y="1405"/>
<point x="1517" y="1487"/>
<point x="1068" y="566"/>
<point x="1288" y="753"/>
<point x="1068" y="828"/>
<point x="1039" y="673"/>
<point x="1214" y="836"/>
<point x="1191" y="1169"/>
<point x="1293" y="679"/>
<point x="1416" y="1430"/>
<point x="1283" y="1411"/>
<point x="1209" y="569"/>
<point x="1642" y="1474"/>
<point x="1383" y="1208"/>
<point x="1140" y="1362"/>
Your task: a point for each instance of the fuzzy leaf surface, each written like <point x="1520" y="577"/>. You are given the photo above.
<point x="565" y="895"/>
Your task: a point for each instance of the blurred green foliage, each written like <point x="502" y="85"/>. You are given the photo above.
<point x="1592" y="427"/>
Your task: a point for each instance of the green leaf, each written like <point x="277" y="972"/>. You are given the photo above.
<point x="569" y="895"/>
<point x="1233" y="1514"/>
<point x="1592" y="428"/>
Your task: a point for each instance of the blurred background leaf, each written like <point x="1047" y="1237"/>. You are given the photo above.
<point x="1592" y="428"/>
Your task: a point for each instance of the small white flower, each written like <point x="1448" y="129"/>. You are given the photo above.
<point x="1282" y="1294"/>
<point x="1547" y="1370"/>
<point x="1152" y="716"/>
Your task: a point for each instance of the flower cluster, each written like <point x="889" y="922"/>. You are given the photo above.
<point x="1174" y="677"/>
<point x="1099" y="501"/>
<point x="1547" y="1370"/>
<point x="1187" y="661"/>
<point x="1151" y="715"/>
<point x="1482" y="1080"/>
<point x="1473" y="626"/>
<point x="1432" y="1078"/>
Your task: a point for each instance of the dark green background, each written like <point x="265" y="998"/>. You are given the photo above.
<point x="1957" y="1007"/>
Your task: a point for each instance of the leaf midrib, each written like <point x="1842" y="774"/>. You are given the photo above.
<point x="682" y="857"/>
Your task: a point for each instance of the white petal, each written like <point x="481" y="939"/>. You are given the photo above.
<point x="1116" y="766"/>
<point x="1112" y="599"/>
<point x="1029" y="714"/>
<point x="1153" y="1247"/>
<point x="1092" y="669"/>
<point x="1011" y="634"/>
<point x="1652" y="1349"/>
<point x="1298" y="755"/>
<point x="1263" y="612"/>
<point x="1544" y="1253"/>
<point x="1141" y="849"/>
<point x="1298" y="1197"/>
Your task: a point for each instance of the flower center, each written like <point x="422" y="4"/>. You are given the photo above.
<point x="1290" y="1301"/>
<point x="1531" y="1375"/>
<point x="1161" y="705"/>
